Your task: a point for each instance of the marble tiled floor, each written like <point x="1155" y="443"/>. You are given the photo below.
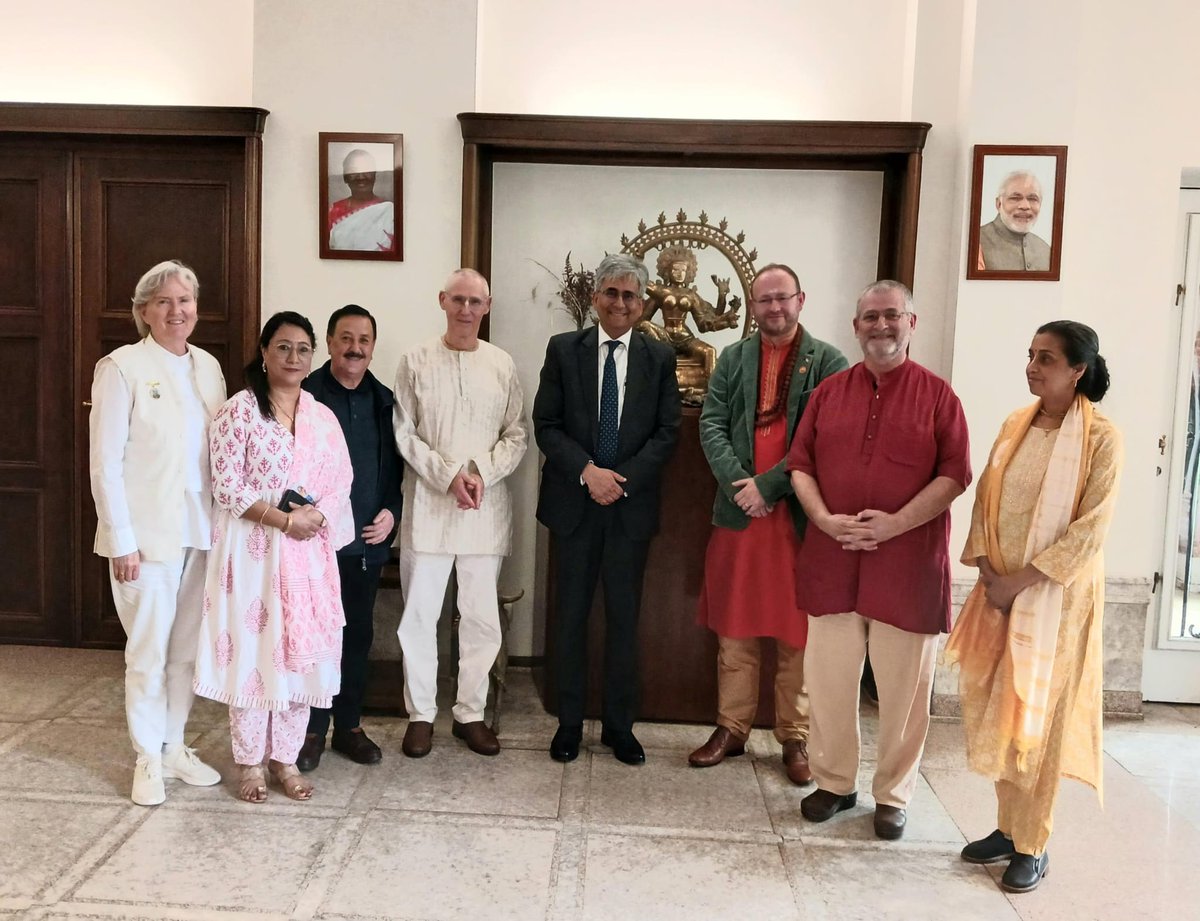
<point x="456" y="836"/>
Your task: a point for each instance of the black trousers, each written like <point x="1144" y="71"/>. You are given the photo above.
<point x="599" y="550"/>
<point x="359" y="587"/>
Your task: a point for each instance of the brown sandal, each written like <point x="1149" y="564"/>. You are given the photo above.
<point x="295" y="786"/>
<point x="253" y="787"/>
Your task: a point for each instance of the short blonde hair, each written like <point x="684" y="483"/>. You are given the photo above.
<point x="152" y="282"/>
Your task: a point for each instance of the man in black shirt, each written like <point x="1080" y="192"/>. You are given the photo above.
<point x="363" y="406"/>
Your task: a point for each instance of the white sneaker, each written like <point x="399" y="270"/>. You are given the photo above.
<point x="180" y="763"/>
<point x="148" y="787"/>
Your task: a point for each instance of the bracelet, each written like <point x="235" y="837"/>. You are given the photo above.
<point x="264" y="514"/>
<point x="289" y="523"/>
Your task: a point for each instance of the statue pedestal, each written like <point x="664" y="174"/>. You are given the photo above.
<point x="678" y="658"/>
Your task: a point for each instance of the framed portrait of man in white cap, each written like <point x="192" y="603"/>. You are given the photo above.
<point x="360" y="196"/>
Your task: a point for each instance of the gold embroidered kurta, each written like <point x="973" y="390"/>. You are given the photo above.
<point x="1071" y="744"/>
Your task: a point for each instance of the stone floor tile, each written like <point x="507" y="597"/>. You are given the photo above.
<point x="900" y="885"/>
<point x="443" y="872"/>
<point x="65" y="756"/>
<point x="1155" y="754"/>
<point x="1182" y="795"/>
<point x="249" y="861"/>
<point x="685" y="879"/>
<point x="666" y="792"/>
<point x="39" y="841"/>
<point x="454" y="779"/>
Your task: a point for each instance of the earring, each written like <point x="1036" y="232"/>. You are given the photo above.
<point x="264" y="366"/>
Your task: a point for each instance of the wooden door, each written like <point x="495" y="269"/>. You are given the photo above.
<point x="138" y="204"/>
<point x="36" y="460"/>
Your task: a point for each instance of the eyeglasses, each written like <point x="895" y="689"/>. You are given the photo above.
<point x="871" y="317"/>
<point x="461" y="300"/>
<point x="775" y="299"/>
<point x="303" y="350"/>
<point x="628" y="298"/>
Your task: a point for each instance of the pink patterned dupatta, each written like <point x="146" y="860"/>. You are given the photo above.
<point x="310" y="587"/>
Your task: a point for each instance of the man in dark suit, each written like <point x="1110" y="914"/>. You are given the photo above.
<point x="606" y="417"/>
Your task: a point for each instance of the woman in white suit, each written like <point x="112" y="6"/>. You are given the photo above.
<point x="151" y="405"/>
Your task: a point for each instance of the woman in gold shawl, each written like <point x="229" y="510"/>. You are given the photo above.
<point x="1029" y="639"/>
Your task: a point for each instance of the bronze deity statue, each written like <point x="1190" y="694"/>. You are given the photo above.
<point x="675" y="296"/>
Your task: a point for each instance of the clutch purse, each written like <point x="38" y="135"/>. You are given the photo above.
<point x="290" y="496"/>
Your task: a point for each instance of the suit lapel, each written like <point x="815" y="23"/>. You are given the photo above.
<point x="804" y="363"/>
<point x="588" y="346"/>
<point x="637" y="389"/>
<point x="751" y="354"/>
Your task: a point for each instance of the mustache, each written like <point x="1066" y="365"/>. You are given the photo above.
<point x="353" y="355"/>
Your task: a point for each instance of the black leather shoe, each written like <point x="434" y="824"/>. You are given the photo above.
<point x="821" y="805"/>
<point x="355" y="745"/>
<point x="626" y="748"/>
<point x="565" y="744"/>
<point x="889" y="822"/>
<point x="1024" y="872"/>
<point x="992" y="849"/>
<point x="310" y="752"/>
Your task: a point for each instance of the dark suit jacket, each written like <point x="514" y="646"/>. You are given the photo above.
<point x="566" y="426"/>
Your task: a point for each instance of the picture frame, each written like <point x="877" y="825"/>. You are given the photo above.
<point x="1013" y="235"/>
<point x="363" y="220"/>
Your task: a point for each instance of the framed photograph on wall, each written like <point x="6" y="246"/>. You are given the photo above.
<point x="360" y="196"/>
<point x="1017" y="196"/>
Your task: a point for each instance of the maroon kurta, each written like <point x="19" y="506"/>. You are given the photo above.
<point x="875" y="446"/>
<point x="746" y="591"/>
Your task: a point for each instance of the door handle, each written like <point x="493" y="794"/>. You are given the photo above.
<point x="87" y="402"/>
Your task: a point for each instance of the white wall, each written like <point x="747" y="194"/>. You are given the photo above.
<point x="135" y="52"/>
<point x="378" y="66"/>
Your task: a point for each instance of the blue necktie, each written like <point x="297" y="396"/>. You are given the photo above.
<point x="606" y="445"/>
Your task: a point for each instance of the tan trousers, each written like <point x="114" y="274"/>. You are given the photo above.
<point x="738" y="664"/>
<point x="904" y="664"/>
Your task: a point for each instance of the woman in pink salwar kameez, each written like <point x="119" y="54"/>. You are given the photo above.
<point x="271" y="637"/>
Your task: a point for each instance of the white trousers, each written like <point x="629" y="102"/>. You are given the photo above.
<point x="160" y="612"/>
<point x="903" y="663"/>
<point x="423" y="577"/>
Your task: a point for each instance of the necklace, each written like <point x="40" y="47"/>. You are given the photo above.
<point x="291" y="417"/>
<point x="1042" y="412"/>
<point x="455" y="348"/>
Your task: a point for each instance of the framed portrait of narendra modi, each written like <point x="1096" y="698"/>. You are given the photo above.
<point x="1016" y="224"/>
<point x="361" y="214"/>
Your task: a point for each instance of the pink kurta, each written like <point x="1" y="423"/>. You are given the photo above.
<point x="272" y="628"/>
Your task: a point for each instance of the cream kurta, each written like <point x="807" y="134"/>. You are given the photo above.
<point x="454" y="410"/>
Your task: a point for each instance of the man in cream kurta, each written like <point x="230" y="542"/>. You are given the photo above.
<point x="461" y="428"/>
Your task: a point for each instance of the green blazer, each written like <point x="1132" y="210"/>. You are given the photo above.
<point x="727" y="422"/>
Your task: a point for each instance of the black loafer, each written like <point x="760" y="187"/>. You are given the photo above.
<point x="310" y="752"/>
<point x="821" y="805"/>
<point x="626" y="748"/>
<point x="1024" y="872"/>
<point x="992" y="849"/>
<point x="355" y="745"/>
<point x="890" y="822"/>
<point x="565" y="744"/>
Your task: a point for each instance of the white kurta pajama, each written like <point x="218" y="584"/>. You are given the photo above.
<point x="149" y="475"/>
<point x="454" y="410"/>
<point x="270" y="639"/>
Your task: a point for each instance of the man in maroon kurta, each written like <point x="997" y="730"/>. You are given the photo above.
<point x="755" y="398"/>
<point x="878" y="457"/>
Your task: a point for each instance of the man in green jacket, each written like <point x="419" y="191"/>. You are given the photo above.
<point x="755" y="398"/>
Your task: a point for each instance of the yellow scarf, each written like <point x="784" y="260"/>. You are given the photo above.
<point x="1028" y="636"/>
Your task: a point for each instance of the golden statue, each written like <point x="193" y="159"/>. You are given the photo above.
<point x="676" y="297"/>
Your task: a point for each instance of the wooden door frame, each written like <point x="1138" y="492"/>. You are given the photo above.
<point x="63" y="125"/>
<point x="891" y="148"/>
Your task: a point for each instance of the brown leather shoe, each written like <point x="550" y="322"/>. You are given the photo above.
<point x="795" y="760"/>
<point x="479" y="738"/>
<point x="823" y="805"/>
<point x="721" y="744"/>
<point x="889" y="822"/>
<point x="310" y="752"/>
<point x="418" y="739"/>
